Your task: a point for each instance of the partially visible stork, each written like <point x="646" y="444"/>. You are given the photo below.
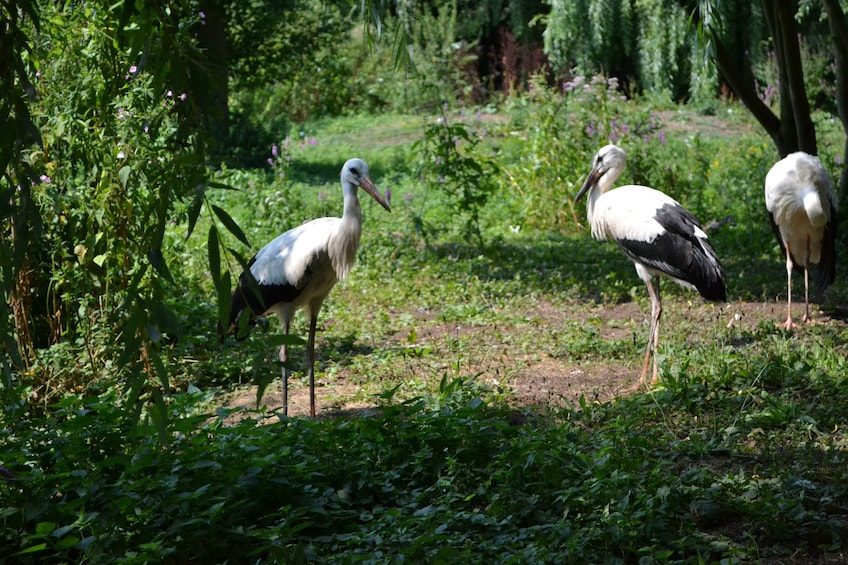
<point x="300" y="267"/>
<point x="659" y="235"/>
<point x="802" y="212"/>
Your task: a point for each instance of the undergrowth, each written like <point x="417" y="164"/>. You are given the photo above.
<point x="743" y="471"/>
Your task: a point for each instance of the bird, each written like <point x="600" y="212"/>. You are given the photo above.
<point x="802" y="212"/>
<point x="298" y="269"/>
<point x="656" y="233"/>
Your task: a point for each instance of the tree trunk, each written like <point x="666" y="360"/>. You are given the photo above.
<point x="213" y="95"/>
<point x="797" y="131"/>
<point x="839" y="32"/>
<point x="743" y="88"/>
<point x="793" y="130"/>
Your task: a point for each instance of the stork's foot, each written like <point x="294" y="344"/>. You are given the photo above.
<point x="789" y="324"/>
<point x="655" y="378"/>
<point x="643" y="383"/>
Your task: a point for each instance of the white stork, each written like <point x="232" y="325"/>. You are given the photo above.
<point x="802" y="212"/>
<point x="300" y="267"/>
<point x="659" y="235"/>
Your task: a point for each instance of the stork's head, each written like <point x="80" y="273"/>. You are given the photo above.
<point x="355" y="173"/>
<point x="607" y="165"/>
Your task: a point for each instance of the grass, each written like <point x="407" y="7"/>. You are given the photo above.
<point x="480" y="410"/>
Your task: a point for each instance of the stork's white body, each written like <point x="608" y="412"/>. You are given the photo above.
<point x="299" y="268"/>
<point x="312" y="258"/>
<point x="802" y="204"/>
<point x="656" y="233"/>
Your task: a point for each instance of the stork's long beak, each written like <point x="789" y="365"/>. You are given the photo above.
<point x="590" y="182"/>
<point x="369" y="187"/>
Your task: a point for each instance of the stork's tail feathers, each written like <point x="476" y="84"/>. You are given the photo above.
<point x="708" y="275"/>
<point x="827" y="266"/>
<point x="244" y="307"/>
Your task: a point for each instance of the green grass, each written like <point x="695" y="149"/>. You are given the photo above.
<point x="737" y="456"/>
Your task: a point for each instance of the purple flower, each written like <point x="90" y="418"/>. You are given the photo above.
<point x="270" y="161"/>
<point x="133" y="69"/>
<point x="662" y="137"/>
<point x="183" y="96"/>
<point x="45" y="179"/>
<point x="313" y="141"/>
<point x="274" y="150"/>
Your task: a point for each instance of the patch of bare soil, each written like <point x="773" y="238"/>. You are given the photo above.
<point x="536" y="378"/>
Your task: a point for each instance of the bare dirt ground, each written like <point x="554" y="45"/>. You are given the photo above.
<point x="536" y="378"/>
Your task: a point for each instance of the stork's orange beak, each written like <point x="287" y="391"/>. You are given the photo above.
<point x="590" y="182"/>
<point x="372" y="191"/>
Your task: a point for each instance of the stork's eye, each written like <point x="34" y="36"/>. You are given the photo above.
<point x="355" y="171"/>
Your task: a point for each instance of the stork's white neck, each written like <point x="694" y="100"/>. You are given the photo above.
<point x="352" y="210"/>
<point x="604" y="183"/>
<point x="345" y="242"/>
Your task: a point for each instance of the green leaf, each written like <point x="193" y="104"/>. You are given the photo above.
<point x="230" y="224"/>
<point x="124" y="175"/>
<point x="159" y="414"/>
<point x="153" y="333"/>
<point x="158" y="261"/>
<point x="214" y="251"/>
<point x="285" y="339"/>
<point x="45" y="528"/>
<point x="61" y="531"/>
<point x="33" y="549"/>
<point x="194" y="211"/>
<point x="221" y="281"/>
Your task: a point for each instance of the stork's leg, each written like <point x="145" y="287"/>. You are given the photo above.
<point x="310" y="357"/>
<point x="654" y="335"/>
<point x="807" y="318"/>
<point x="656" y="313"/>
<point x="284" y="357"/>
<point x="788" y="323"/>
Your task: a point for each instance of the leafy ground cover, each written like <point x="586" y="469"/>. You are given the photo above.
<point x="475" y="394"/>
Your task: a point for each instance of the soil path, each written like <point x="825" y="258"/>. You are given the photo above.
<point x="535" y="378"/>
